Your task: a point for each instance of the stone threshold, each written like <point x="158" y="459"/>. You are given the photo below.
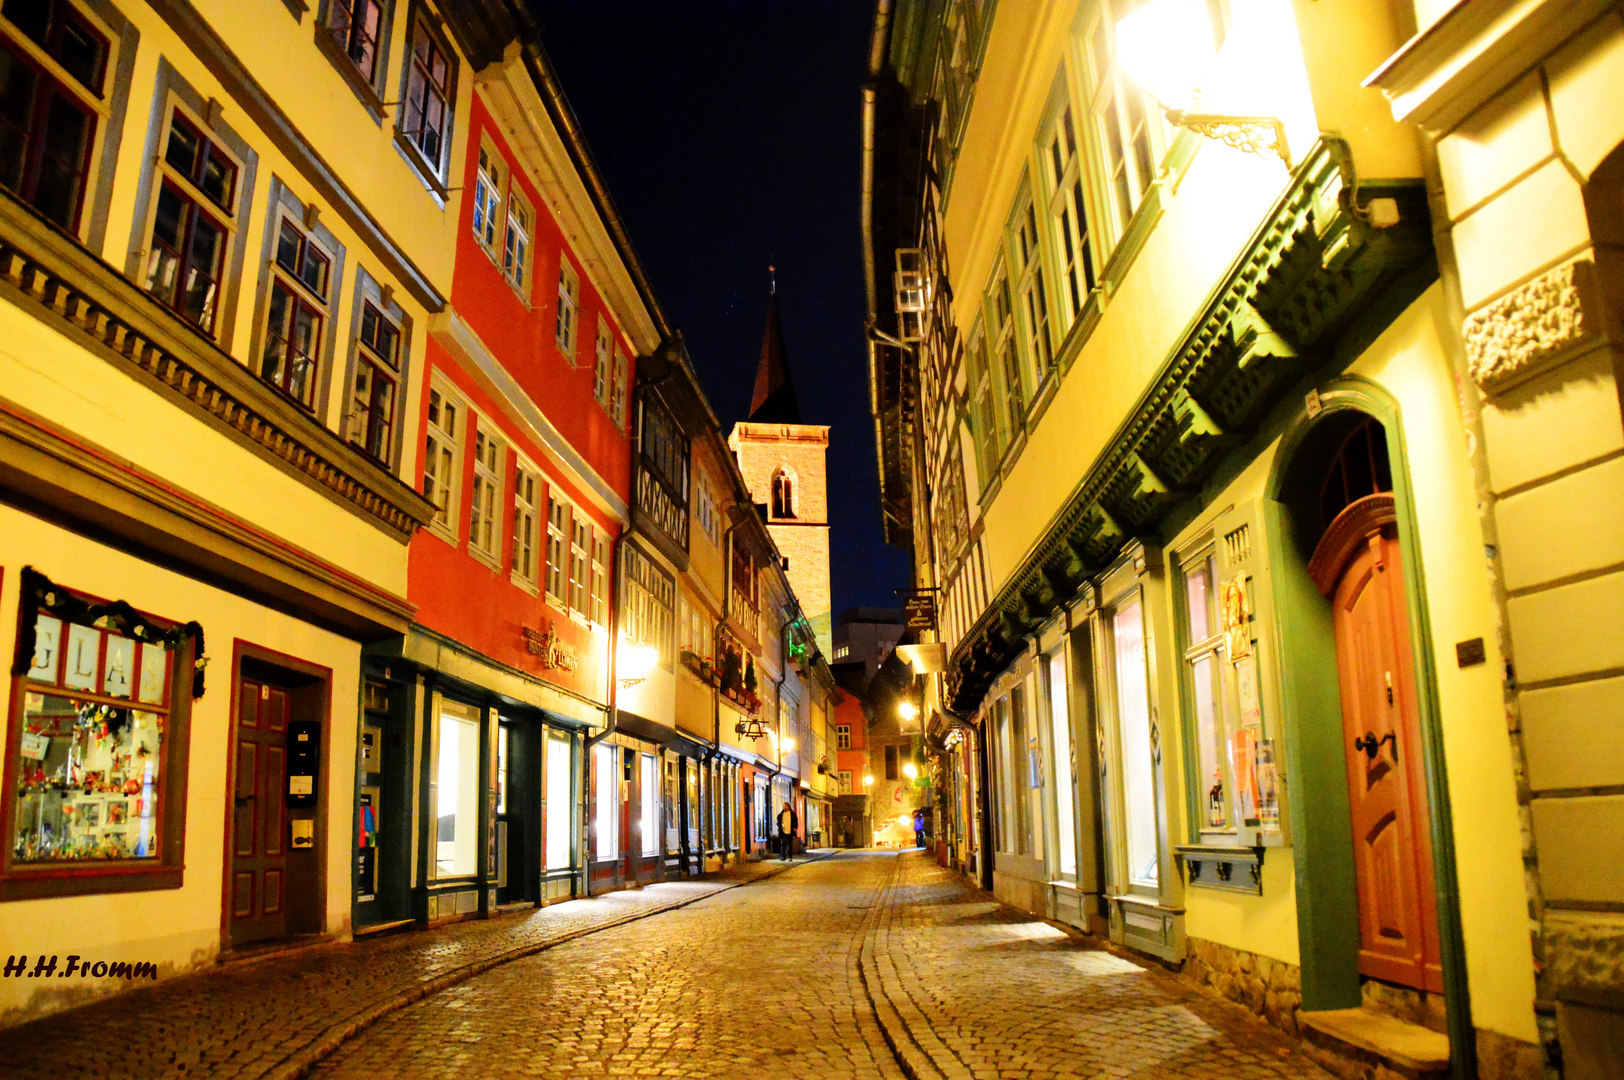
<point x="1378" y="1039"/>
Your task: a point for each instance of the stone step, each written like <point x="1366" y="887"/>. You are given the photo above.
<point x="1379" y="1039"/>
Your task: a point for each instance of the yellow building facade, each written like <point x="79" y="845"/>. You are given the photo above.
<point x="1176" y="417"/>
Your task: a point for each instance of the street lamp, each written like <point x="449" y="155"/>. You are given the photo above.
<point x="911" y="771"/>
<point x="1170" y="49"/>
<point x="786" y="744"/>
<point x="907" y="710"/>
<point x="868" y="779"/>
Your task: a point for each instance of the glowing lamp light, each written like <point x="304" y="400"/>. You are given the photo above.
<point x="910" y="770"/>
<point x="787" y="744"/>
<point x="636" y="663"/>
<point x="868" y="780"/>
<point x="907" y="710"/>
<point x="1167" y="47"/>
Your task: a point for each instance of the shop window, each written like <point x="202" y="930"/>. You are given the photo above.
<point x="650" y="791"/>
<point x="1135" y="745"/>
<point x="456" y="801"/>
<point x="97" y="743"/>
<point x="376" y="386"/>
<point x="560" y="802"/>
<point x="425" y="113"/>
<point x="442" y="461"/>
<point x="669" y="802"/>
<point x="296" y="314"/>
<point x="1065" y="781"/>
<point x="1203" y="664"/>
<point x="569" y="290"/>
<point x="358" y="29"/>
<point x="485" y="510"/>
<point x="606" y="801"/>
<point x="49" y="122"/>
<point x="526" y="525"/>
<point x="193" y="217"/>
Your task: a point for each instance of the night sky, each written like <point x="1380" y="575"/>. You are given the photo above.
<point x="728" y="132"/>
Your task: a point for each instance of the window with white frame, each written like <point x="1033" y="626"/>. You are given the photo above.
<point x="488" y="196"/>
<point x="1068" y="214"/>
<point x="650" y="603"/>
<point x="580" y="564"/>
<point x="617" y="389"/>
<point x="569" y="291"/>
<point x="558" y="547"/>
<point x="603" y="362"/>
<point x="485" y="510"/>
<point x="842" y="736"/>
<point x="430" y="90"/>
<point x="1121" y="124"/>
<point x="516" y="241"/>
<point x="1027" y="260"/>
<point x="598" y="614"/>
<point x="845" y="782"/>
<point x="442" y="455"/>
<point x="1204" y="641"/>
<point x="1012" y="418"/>
<point x="296" y="312"/>
<point x="1134" y="743"/>
<point x="526" y="524"/>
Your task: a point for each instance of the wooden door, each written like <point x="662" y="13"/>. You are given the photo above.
<point x="1392" y="847"/>
<point x="258" y="871"/>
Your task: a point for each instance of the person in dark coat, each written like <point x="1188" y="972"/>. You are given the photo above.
<point x="786" y="831"/>
<point x="919" y="829"/>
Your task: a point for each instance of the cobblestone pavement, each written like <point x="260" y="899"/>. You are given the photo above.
<point x="273" y="1017"/>
<point x="868" y="965"/>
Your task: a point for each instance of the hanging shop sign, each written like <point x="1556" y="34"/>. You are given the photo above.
<point x="919" y="612"/>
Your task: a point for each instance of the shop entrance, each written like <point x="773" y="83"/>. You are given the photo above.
<point x="1358" y="565"/>
<point x="518" y="812"/>
<point x="274" y="850"/>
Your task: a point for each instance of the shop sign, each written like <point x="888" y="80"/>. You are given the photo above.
<point x="919" y="611"/>
<point x="553" y="650"/>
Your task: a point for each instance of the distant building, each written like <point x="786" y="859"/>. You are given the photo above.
<point x="866" y="635"/>
<point x="782" y="460"/>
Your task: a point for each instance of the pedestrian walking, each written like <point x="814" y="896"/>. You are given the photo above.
<point x="786" y="831"/>
<point x="919" y="829"/>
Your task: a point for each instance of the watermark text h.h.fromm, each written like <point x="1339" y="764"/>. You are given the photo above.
<point x="45" y="967"/>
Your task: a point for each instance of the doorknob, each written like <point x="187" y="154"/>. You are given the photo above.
<point x="1370" y="744"/>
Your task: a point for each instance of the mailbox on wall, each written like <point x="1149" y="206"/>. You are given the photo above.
<point x="304" y="761"/>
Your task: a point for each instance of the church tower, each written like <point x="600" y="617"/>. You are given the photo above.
<point x="783" y="462"/>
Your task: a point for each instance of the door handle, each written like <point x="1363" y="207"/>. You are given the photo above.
<point x="1370" y="744"/>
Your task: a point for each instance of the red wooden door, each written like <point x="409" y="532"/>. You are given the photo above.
<point x="258" y="872"/>
<point x="1392" y="848"/>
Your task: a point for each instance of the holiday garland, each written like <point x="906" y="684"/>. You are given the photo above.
<point x="40" y="593"/>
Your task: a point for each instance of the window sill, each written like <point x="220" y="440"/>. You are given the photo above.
<point x="525" y="583"/>
<point x="487" y="559"/>
<point x="432" y="180"/>
<point x="366" y="93"/>
<point x="87" y="880"/>
<point x="1133" y="239"/>
<point x="1082" y="328"/>
<point x="444" y="533"/>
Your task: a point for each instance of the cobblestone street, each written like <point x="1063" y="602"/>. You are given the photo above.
<point x="863" y="965"/>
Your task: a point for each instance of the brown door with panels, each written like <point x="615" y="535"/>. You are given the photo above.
<point x="258" y="870"/>
<point x="1360" y="567"/>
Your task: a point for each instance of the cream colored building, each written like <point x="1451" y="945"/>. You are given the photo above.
<point x="1175" y="411"/>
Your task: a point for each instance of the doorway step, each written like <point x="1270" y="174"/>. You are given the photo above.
<point x="1360" y="1043"/>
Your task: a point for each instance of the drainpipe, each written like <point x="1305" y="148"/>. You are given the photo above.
<point x="716" y="652"/>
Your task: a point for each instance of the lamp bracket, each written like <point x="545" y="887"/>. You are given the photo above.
<point x="1261" y="135"/>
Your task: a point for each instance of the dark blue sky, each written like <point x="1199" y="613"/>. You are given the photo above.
<point x="728" y="131"/>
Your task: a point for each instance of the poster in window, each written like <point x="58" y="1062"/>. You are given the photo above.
<point x="1034" y="764"/>
<point x="120" y="666"/>
<point x="47" y="643"/>
<point x="1268" y="788"/>
<point x="1237" y="616"/>
<point x="1246" y="690"/>
<point x="1245" y="748"/>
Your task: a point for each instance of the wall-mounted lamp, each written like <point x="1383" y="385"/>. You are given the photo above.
<point x="786" y="744"/>
<point x="1170" y="49"/>
<point x="911" y="771"/>
<point x="868" y="780"/>
<point x="907" y="710"/>
<point x="636" y="662"/>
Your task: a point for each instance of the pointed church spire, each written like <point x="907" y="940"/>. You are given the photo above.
<point x="774" y="400"/>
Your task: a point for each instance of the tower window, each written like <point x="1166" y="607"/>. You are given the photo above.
<point x="783" y="505"/>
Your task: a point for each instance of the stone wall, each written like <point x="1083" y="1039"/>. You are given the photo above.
<point x="1271" y="988"/>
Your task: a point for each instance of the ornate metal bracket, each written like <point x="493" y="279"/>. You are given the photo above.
<point x="1261" y="135"/>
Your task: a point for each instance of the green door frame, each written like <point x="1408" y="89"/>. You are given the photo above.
<point x="1327" y="904"/>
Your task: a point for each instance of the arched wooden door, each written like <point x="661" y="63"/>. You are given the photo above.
<point x="1359" y="566"/>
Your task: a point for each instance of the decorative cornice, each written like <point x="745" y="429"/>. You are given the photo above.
<point x="66" y="287"/>
<point x="1312" y="266"/>
<point x="1533" y="327"/>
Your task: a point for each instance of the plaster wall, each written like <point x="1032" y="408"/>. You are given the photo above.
<point x="177" y="929"/>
